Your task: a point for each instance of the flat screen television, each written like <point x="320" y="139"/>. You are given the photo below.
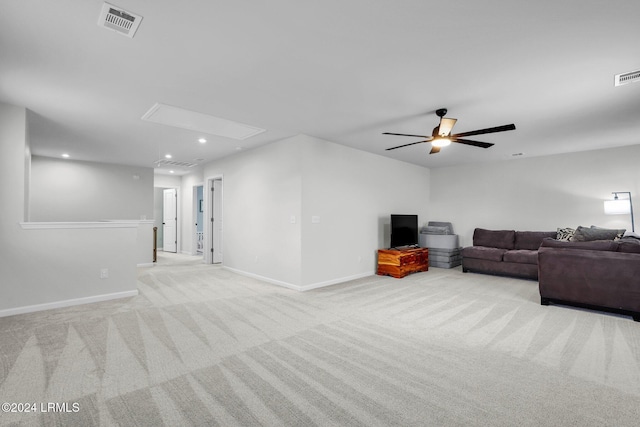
<point x="404" y="230"/>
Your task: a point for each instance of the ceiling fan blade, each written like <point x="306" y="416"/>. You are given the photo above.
<point x="487" y="130"/>
<point x="434" y="150"/>
<point x="404" y="134"/>
<point x="474" y="143"/>
<point x="446" y="125"/>
<point x="405" y="145"/>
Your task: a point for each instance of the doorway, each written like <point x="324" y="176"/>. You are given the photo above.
<point x="170" y="220"/>
<point x="198" y="210"/>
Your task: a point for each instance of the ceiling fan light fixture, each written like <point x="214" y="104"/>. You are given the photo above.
<point x="445" y="126"/>
<point x="441" y="142"/>
<point x="441" y="135"/>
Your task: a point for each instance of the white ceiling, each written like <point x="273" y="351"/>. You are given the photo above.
<point x="341" y="70"/>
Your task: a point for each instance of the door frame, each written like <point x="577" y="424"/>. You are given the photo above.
<point x="194" y="227"/>
<point x="208" y="202"/>
<point x="178" y="215"/>
<point x="170" y="218"/>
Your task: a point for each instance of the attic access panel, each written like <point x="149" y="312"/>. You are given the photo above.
<point x="203" y="123"/>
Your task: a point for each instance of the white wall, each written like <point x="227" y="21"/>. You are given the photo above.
<point x="352" y="193"/>
<point x="65" y="190"/>
<point x="158" y="209"/>
<point x="261" y="191"/>
<point x="68" y="190"/>
<point x="271" y="193"/>
<point x="538" y="193"/>
<point x="167" y="181"/>
<point x="15" y="164"/>
<point x="45" y="268"/>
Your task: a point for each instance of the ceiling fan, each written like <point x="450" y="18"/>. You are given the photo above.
<point x="441" y="136"/>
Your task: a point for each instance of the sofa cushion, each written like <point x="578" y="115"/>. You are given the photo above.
<point x="629" y="246"/>
<point x="531" y="239"/>
<point x="504" y="239"/>
<point x="596" y="245"/>
<point x="483" y="252"/>
<point x="629" y="238"/>
<point x="585" y="234"/>
<point x="521" y="256"/>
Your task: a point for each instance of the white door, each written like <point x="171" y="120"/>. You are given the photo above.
<point x="170" y="220"/>
<point x="216" y="221"/>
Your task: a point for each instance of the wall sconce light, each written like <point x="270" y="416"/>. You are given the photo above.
<point x="620" y="206"/>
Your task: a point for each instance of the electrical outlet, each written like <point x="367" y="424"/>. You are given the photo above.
<point x="104" y="273"/>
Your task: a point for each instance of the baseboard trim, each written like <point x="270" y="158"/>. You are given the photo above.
<point x="66" y="303"/>
<point x="146" y="264"/>
<point x="296" y="287"/>
<point x="263" y="278"/>
<point x="334" y="281"/>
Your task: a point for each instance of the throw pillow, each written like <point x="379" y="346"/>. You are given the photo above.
<point x="565" y="234"/>
<point x="620" y="232"/>
<point x="584" y="234"/>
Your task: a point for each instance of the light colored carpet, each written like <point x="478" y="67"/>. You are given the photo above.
<point x="204" y="346"/>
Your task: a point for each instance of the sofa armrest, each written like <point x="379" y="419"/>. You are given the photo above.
<point x="596" y="277"/>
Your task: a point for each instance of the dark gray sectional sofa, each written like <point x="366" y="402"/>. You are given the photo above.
<point x="601" y="274"/>
<point x="597" y="274"/>
<point x="504" y="252"/>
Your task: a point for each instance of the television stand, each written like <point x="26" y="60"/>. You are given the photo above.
<point x="400" y="262"/>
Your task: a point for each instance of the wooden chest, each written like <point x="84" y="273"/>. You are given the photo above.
<point x="399" y="263"/>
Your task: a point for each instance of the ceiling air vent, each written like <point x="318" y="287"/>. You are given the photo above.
<point x="119" y="20"/>
<point x="630" y="77"/>
<point x="164" y="162"/>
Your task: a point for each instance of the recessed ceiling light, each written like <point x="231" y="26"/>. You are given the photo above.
<point x="167" y="156"/>
<point x="202" y="140"/>
<point x="66" y="156"/>
<point x="171" y="172"/>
